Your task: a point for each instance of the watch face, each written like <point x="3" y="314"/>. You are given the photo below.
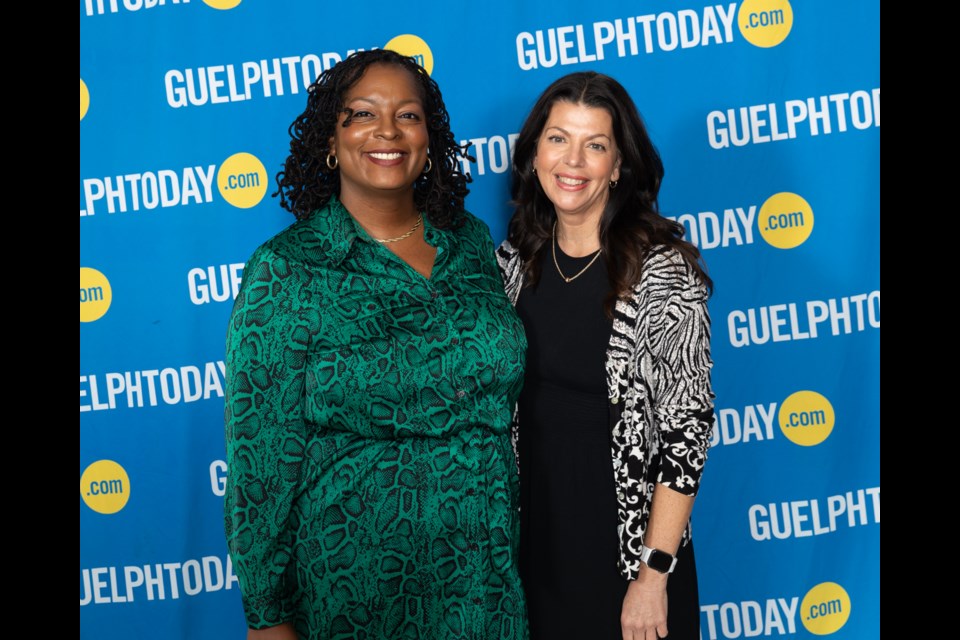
<point x="660" y="561"/>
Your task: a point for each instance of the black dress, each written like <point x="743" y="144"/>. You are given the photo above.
<point x="568" y="508"/>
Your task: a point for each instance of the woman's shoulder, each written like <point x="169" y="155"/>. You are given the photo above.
<point x="507" y="255"/>
<point x="664" y="258"/>
<point x="282" y="244"/>
<point x="311" y="241"/>
<point x="507" y="249"/>
<point x="473" y="231"/>
<point x="663" y="254"/>
<point x="667" y="271"/>
<point x="472" y="225"/>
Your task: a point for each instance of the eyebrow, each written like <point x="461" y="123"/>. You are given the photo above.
<point x="591" y="137"/>
<point x="416" y="101"/>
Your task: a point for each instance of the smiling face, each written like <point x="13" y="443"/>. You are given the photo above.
<point x="576" y="159"/>
<point x="384" y="147"/>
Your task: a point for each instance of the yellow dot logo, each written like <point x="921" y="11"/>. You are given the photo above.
<point x="785" y="220"/>
<point x="806" y="418"/>
<point x="825" y="608"/>
<point x="242" y="180"/>
<point x="105" y="486"/>
<point x="84" y="98"/>
<point x="415" y="47"/>
<point x="765" y="23"/>
<point x="222" y="4"/>
<point x="95" y="294"/>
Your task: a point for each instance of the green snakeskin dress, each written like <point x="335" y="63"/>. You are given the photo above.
<point x="372" y="489"/>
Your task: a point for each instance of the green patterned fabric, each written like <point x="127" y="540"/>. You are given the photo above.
<point x="372" y="488"/>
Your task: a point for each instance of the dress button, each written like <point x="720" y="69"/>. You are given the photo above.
<point x="473" y="546"/>
<point x="434" y="295"/>
<point x="455" y="341"/>
<point x="620" y="496"/>
<point x="614" y="400"/>
<point x="478" y="601"/>
<point x="471" y="491"/>
<point x="461" y="393"/>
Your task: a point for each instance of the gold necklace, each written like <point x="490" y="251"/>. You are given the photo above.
<point x="553" y="247"/>
<point x="404" y="236"/>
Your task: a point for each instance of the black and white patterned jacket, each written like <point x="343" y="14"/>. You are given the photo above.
<point x="658" y="383"/>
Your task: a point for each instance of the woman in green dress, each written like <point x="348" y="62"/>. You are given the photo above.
<point x="373" y="360"/>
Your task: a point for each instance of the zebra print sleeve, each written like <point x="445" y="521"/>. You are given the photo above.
<point x="678" y="338"/>
<point x="510" y="265"/>
<point x="511" y="269"/>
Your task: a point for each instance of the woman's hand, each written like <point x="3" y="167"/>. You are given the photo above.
<point x="644" y="614"/>
<point x="280" y="632"/>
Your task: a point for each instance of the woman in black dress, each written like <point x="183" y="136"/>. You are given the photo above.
<point x="614" y="420"/>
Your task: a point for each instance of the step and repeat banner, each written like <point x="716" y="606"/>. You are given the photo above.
<point x="767" y="114"/>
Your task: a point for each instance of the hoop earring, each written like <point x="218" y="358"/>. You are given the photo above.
<point x="613" y="184"/>
<point x="336" y="162"/>
<point x="429" y="166"/>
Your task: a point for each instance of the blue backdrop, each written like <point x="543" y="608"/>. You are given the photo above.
<point x="767" y="115"/>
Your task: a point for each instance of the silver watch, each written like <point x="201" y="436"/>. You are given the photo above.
<point x="659" y="561"/>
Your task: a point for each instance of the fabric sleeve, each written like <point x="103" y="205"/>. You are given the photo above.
<point x="266" y="439"/>
<point x="511" y="269"/>
<point x="679" y="339"/>
<point x="508" y="264"/>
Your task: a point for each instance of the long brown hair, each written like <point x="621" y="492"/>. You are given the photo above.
<point x="631" y="223"/>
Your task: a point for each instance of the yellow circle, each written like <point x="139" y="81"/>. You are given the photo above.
<point x="105" y="486"/>
<point x="765" y="23"/>
<point x="242" y="180"/>
<point x="415" y="47"/>
<point x="84" y="98"/>
<point x="825" y="608"/>
<point x="95" y="294"/>
<point x="785" y="220"/>
<point x="806" y="418"/>
<point x="222" y="4"/>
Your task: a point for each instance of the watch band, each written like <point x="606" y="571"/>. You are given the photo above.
<point x="658" y="560"/>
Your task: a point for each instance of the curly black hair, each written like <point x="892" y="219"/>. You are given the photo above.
<point x="307" y="183"/>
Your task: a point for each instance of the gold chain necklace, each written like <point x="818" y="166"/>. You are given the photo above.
<point x="404" y="236"/>
<point x="553" y="247"/>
